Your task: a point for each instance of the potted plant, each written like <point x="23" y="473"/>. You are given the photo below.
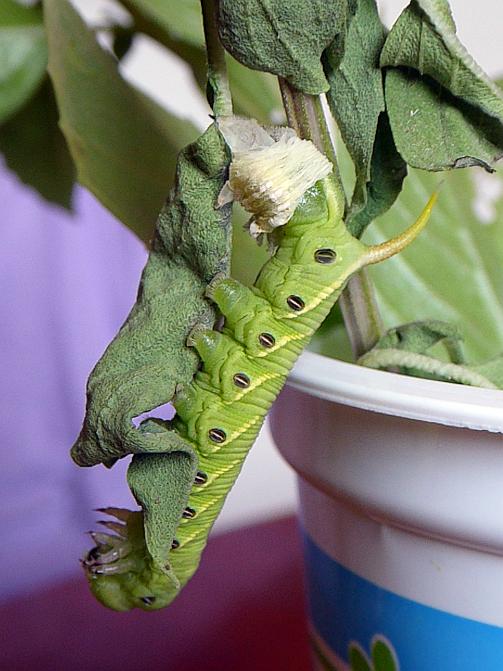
<point x="408" y="98"/>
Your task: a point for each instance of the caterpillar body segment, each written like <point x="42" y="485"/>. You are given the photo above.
<point x="243" y="368"/>
<point x="223" y="418"/>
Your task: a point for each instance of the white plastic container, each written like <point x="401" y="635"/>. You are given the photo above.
<point x="401" y="489"/>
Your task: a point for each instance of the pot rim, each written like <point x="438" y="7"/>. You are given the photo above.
<point x="402" y="395"/>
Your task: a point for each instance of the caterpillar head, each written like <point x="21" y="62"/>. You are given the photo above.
<point x="119" y="569"/>
<point x="271" y="170"/>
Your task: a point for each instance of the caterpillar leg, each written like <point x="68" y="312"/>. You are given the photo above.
<point x="109" y="548"/>
<point x="113" y="568"/>
<point x="119" y="568"/>
<point x="250" y="319"/>
<point x="121" y="514"/>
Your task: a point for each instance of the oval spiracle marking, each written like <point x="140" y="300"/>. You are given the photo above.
<point x="148" y="600"/>
<point x="325" y="255"/>
<point x="201" y="478"/>
<point x="241" y="380"/>
<point x="217" y="435"/>
<point x="296" y="303"/>
<point x="189" y="513"/>
<point x="267" y="340"/>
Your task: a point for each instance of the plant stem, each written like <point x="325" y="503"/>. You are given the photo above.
<point x="305" y="115"/>
<point x="360" y="313"/>
<point x="358" y="304"/>
<point x="218" y="91"/>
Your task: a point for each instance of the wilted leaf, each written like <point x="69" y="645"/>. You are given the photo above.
<point x="425" y="365"/>
<point x="356" y="94"/>
<point x="124" y="145"/>
<point x="421" y="336"/>
<point x="23" y="55"/>
<point x="285" y="38"/>
<point x="435" y="131"/>
<point x="387" y="172"/>
<point x="35" y="148"/>
<point x="424" y="38"/>
<point x="445" y="112"/>
<point x="148" y="359"/>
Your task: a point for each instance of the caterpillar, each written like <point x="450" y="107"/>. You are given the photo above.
<point x="243" y="367"/>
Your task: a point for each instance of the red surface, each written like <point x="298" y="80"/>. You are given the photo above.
<point x="243" y="611"/>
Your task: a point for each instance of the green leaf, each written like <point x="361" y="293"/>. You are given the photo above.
<point x="178" y="26"/>
<point x="356" y="95"/>
<point x="181" y="21"/>
<point x="35" y="148"/>
<point x="445" y="112"/>
<point x="492" y="370"/>
<point x="285" y="38"/>
<point x="123" y="144"/>
<point x="453" y="271"/>
<point x="23" y="55"/>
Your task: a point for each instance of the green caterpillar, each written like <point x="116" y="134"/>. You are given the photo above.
<point x="243" y="368"/>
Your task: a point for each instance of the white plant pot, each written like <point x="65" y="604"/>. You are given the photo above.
<point x="401" y="491"/>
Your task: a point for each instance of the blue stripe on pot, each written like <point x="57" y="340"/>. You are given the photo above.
<point x="349" y="610"/>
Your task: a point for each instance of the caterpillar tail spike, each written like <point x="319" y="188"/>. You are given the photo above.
<point x="385" y="250"/>
<point x="244" y="365"/>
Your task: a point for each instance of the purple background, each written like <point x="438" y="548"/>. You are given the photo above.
<point x="67" y="283"/>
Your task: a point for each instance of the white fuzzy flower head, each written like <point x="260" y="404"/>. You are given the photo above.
<point x="270" y="171"/>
